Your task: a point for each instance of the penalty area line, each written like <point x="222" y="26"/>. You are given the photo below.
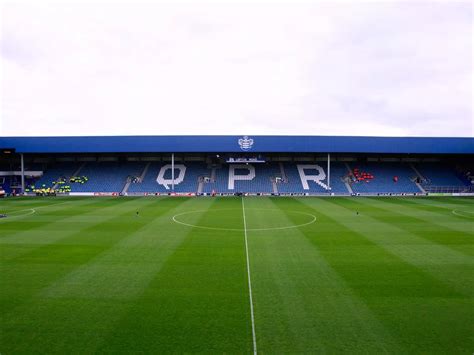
<point x="254" y="338"/>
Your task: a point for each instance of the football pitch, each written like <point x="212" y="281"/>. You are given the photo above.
<point x="237" y="275"/>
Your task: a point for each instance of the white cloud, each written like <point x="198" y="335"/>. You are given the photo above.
<point x="307" y="68"/>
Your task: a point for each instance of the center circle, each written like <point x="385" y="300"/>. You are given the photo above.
<point x="180" y="218"/>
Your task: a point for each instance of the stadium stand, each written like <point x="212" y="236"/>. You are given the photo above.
<point x="339" y="173"/>
<point x="438" y="177"/>
<point x="294" y="184"/>
<point x="385" y="178"/>
<point x="260" y="178"/>
<point x="162" y="171"/>
<point x="138" y="177"/>
<point x="5" y="184"/>
<point x="53" y="173"/>
<point x="439" y="174"/>
<point x="106" y="176"/>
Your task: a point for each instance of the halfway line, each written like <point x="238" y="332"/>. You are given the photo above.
<point x="250" y="282"/>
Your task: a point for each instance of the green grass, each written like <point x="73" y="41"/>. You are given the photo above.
<point x="85" y="275"/>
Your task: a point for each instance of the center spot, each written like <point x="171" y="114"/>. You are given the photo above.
<point x="232" y="219"/>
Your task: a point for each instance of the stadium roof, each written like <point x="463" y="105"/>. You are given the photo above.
<point x="231" y="144"/>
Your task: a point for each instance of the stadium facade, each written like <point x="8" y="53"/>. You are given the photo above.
<point x="208" y="165"/>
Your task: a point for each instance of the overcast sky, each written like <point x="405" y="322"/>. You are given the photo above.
<point x="255" y="68"/>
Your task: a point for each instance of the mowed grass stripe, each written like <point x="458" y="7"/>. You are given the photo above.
<point x="347" y="247"/>
<point x="300" y="301"/>
<point x="345" y="282"/>
<point x="448" y="203"/>
<point x="451" y="267"/>
<point x="72" y="320"/>
<point x="29" y="222"/>
<point x="55" y="216"/>
<point x="443" y="219"/>
<point x="56" y="225"/>
<point x="436" y="205"/>
<point x="22" y="203"/>
<point x="449" y="200"/>
<point x="123" y="270"/>
<point x="458" y="241"/>
<point x="198" y="300"/>
<point x="387" y="284"/>
<point x="448" y="207"/>
<point x="249" y="279"/>
<point x="39" y="264"/>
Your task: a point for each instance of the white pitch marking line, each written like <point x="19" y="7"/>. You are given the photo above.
<point x="456" y="212"/>
<point x="35" y="208"/>
<point x="250" y="281"/>
<point x="32" y="210"/>
<point x="44" y="206"/>
<point x="176" y="220"/>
